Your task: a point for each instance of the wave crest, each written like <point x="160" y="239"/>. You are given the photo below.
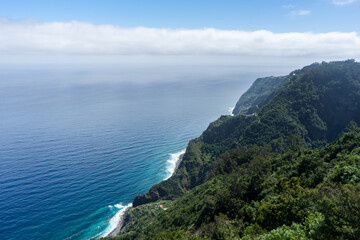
<point x="116" y="220"/>
<point x="173" y="162"/>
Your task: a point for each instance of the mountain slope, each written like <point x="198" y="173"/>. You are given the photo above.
<point x="281" y="172"/>
<point x="259" y="194"/>
<point x="315" y="103"/>
<point x="256" y="94"/>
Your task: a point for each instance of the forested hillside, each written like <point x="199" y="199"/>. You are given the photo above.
<point x="315" y="103"/>
<point x="256" y="94"/>
<point x="281" y="172"/>
<point x="258" y="194"/>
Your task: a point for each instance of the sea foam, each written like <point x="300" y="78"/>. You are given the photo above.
<point x="116" y="220"/>
<point x="230" y="111"/>
<point x="173" y="162"/>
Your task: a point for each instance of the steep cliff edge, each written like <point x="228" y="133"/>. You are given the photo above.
<point x="288" y="170"/>
<point x="315" y="103"/>
<point x="256" y="94"/>
<point x="259" y="194"/>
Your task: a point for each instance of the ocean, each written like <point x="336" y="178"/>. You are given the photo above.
<point x="73" y="154"/>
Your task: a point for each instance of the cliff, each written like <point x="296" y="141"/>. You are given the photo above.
<point x="256" y="94"/>
<point x="283" y="170"/>
<point x="315" y="103"/>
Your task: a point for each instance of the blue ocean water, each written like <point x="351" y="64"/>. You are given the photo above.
<point x="73" y="155"/>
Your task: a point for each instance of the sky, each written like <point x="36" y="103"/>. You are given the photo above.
<point x="40" y="31"/>
<point x="277" y="16"/>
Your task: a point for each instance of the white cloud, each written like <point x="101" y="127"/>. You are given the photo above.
<point x="300" y="12"/>
<point x="81" y="38"/>
<point x="288" y="6"/>
<point x="343" y="2"/>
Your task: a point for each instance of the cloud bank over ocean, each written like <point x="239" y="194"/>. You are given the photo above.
<point x="82" y="38"/>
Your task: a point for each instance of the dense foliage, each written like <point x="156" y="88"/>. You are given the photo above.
<point x="258" y="194"/>
<point x="281" y="172"/>
<point x="315" y="103"/>
<point x="257" y="93"/>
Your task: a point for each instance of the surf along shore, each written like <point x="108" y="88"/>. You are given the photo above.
<point x="173" y="164"/>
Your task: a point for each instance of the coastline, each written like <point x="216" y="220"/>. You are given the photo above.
<point x="177" y="164"/>
<point x="124" y="212"/>
<point x="119" y="225"/>
<point x="230" y="111"/>
<point x="173" y="163"/>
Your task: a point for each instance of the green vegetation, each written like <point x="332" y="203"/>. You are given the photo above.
<point x="257" y="93"/>
<point x="281" y="172"/>
<point x="315" y="104"/>
<point x="258" y="194"/>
